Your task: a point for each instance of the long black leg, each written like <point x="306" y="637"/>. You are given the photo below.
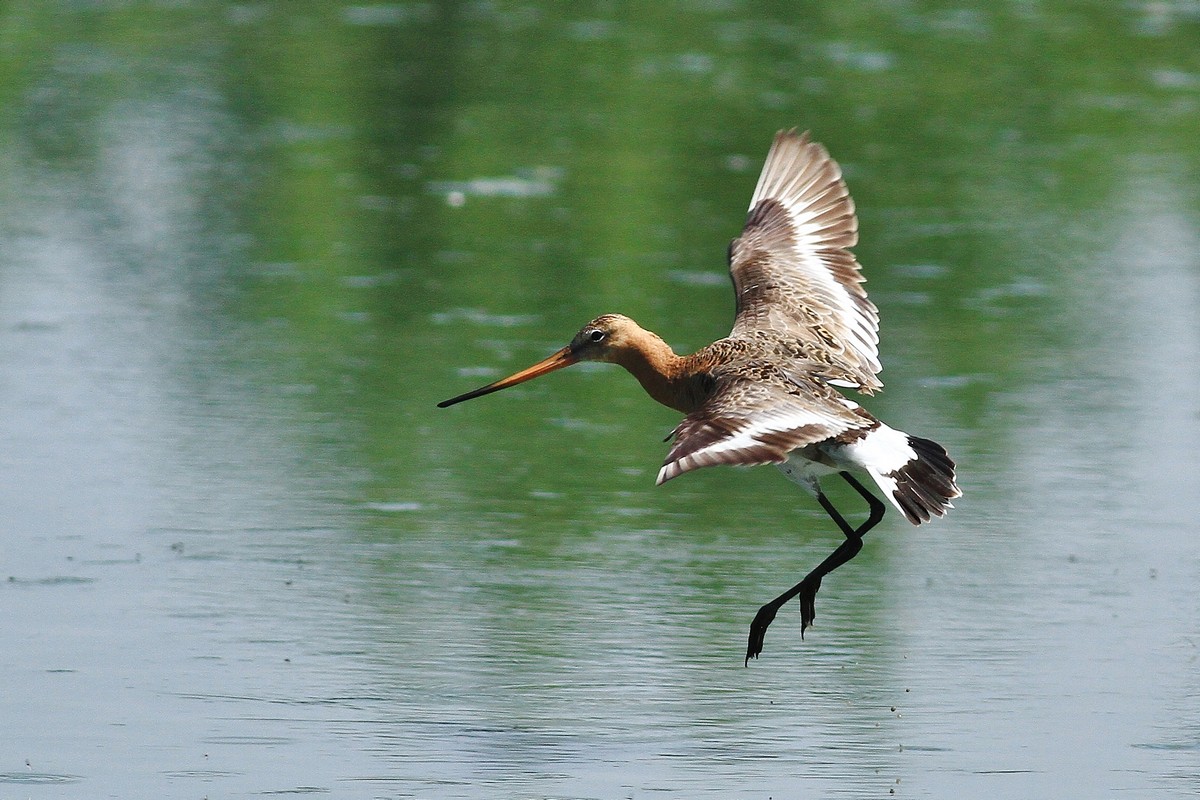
<point x="807" y="588"/>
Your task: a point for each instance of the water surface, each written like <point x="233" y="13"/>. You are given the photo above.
<point x="248" y="247"/>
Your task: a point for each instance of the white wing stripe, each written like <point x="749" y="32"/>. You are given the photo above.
<point x="754" y="435"/>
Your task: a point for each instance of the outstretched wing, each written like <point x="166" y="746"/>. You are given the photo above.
<point x="758" y="416"/>
<point x="792" y="268"/>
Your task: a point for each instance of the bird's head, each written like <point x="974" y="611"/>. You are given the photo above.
<point x="605" y="338"/>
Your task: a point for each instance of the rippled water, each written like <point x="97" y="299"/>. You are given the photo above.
<point x="247" y="248"/>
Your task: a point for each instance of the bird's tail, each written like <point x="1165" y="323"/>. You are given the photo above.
<point x="923" y="486"/>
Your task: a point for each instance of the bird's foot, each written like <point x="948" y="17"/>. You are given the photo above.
<point x="758" y="629"/>
<point x="808" y="603"/>
<point x="807" y="590"/>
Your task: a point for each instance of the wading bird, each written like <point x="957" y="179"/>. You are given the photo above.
<point x="765" y="394"/>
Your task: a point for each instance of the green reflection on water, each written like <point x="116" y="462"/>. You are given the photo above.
<point x="415" y="197"/>
<point x="353" y="211"/>
<point x="406" y="199"/>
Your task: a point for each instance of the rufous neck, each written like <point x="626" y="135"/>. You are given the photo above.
<point x="657" y="368"/>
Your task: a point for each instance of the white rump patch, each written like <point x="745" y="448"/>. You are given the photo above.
<point x="883" y="450"/>
<point x="881" y="453"/>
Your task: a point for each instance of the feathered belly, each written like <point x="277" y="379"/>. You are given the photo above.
<point x="806" y="466"/>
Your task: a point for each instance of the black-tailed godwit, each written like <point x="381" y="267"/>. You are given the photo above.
<point x="765" y="394"/>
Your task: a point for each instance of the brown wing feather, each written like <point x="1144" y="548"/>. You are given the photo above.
<point x="793" y="273"/>
<point x="757" y="415"/>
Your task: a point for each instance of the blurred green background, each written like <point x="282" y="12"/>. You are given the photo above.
<point x="246" y="247"/>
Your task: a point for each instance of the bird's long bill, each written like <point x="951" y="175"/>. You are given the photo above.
<point x="563" y="358"/>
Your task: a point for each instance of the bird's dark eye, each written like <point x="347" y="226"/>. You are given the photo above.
<point x="596" y="336"/>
